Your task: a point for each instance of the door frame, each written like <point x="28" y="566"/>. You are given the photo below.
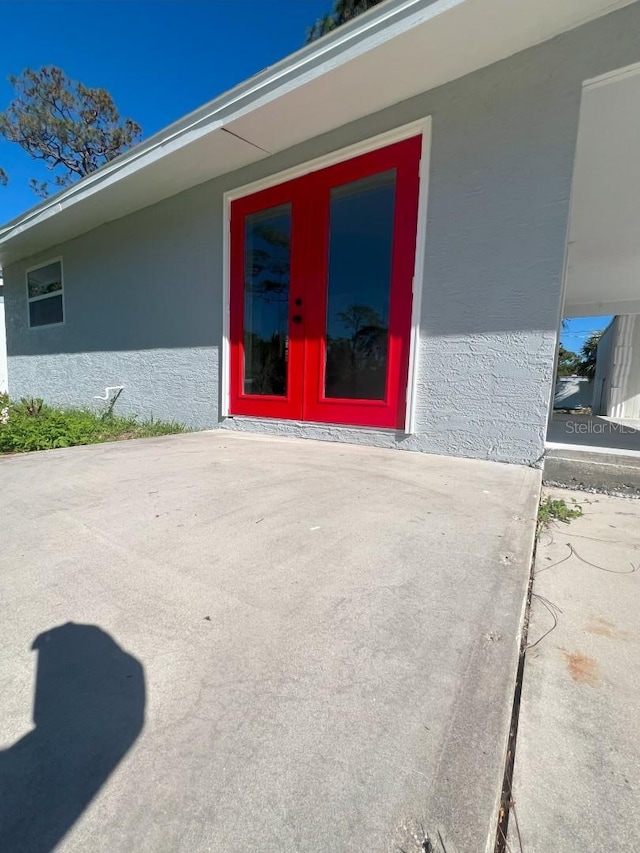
<point x="421" y="128"/>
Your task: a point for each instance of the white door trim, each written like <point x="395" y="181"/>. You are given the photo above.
<point x="418" y="278"/>
<point x="416" y="128"/>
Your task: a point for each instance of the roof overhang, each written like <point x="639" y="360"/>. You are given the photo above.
<point x="396" y="50"/>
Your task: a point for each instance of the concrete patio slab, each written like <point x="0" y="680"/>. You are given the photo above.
<point x="248" y="643"/>
<point x="576" y="784"/>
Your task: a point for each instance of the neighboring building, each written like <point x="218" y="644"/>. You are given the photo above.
<point x="365" y="242"/>
<point x="617" y="382"/>
<point x="3" y="343"/>
<point x="573" y="392"/>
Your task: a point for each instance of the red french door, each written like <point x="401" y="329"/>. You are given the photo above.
<point x="321" y="292"/>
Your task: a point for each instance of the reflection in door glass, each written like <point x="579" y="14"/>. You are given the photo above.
<point x="358" y="287"/>
<point x="266" y="301"/>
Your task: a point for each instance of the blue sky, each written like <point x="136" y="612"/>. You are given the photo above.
<point x="159" y="59"/>
<point x="578" y="330"/>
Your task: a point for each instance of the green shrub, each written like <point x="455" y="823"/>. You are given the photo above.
<point x="32" y="425"/>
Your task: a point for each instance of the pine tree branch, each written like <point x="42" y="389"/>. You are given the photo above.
<point x="64" y="124"/>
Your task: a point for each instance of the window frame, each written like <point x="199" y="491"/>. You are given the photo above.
<point x="30" y="299"/>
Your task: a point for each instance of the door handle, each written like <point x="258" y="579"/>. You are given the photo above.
<point x="297" y="318"/>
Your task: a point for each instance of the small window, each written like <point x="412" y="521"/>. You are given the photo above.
<point x="44" y="292"/>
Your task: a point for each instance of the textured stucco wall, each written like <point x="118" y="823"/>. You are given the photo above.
<point x="167" y="384"/>
<point x="142" y="310"/>
<point x="501" y="164"/>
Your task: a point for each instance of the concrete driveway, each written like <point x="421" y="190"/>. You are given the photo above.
<point x="276" y="645"/>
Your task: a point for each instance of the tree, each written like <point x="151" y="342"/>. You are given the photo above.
<point x="368" y="330"/>
<point x="567" y="362"/>
<point x="356" y="365"/>
<point x="267" y="263"/>
<point x="343" y="11"/>
<point x="588" y="354"/>
<point x="72" y="128"/>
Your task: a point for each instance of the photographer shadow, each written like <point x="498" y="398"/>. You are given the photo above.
<point x="88" y="712"/>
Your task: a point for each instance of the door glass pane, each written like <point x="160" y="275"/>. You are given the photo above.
<point x="266" y="301"/>
<point x="358" y="287"/>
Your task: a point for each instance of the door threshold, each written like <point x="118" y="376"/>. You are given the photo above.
<point x="312" y="429"/>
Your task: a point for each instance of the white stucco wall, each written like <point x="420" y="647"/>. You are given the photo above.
<point x="144" y="295"/>
<point x="631" y="396"/>
<point x="573" y="392"/>
<point x="604" y="367"/>
<point x="618" y="368"/>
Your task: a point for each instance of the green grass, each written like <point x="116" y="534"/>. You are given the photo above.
<point x="557" y="509"/>
<point x="32" y="425"/>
